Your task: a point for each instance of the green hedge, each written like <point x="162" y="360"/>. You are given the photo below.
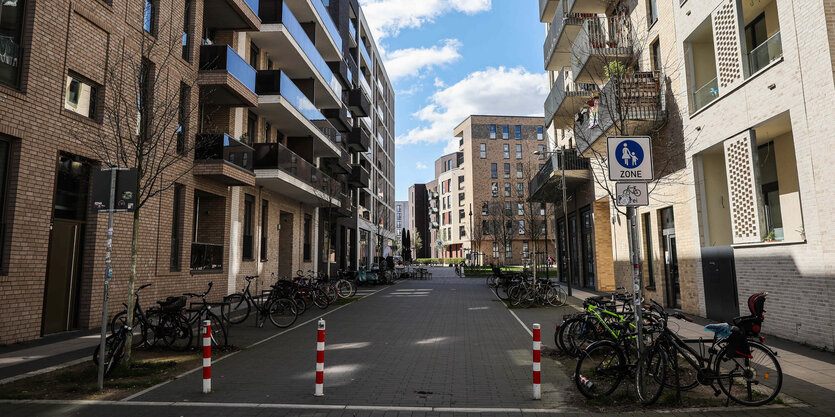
<point x="438" y="261"/>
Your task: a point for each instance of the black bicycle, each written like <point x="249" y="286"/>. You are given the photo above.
<point x="143" y="322"/>
<point x="114" y="346"/>
<point x="281" y="310"/>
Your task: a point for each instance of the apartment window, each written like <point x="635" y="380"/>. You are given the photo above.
<point x="149" y="22"/>
<point x="11" y="37"/>
<point x="655" y="51"/>
<point x="461" y="214"/>
<point x="460" y="199"/>
<point x="495" y="250"/>
<point x="494" y="170"/>
<point x="518" y="132"/>
<point x="249" y="206"/>
<point x="652" y="12"/>
<point x="518" y="151"/>
<point x="254" y="53"/>
<point x="485" y="227"/>
<point x="80" y="97"/>
<point x="495" y="189"/>
<point x="182" y="118"/>
<point x="484" y="208"/>
<point x="770" y="190"/>
<point x="177" y="227"/>
<point x="521" y="227"/>
<point x="506" y="150"/>
<point x="187" y="31"/>
<point x="520" y="189"/>
<point x="461" y="182"/>
<point x="306" y="242"/>
<point x="508" y="250"/>
<point x="648" y="249"/>
<point x="520" y="209"/>
<point x="461" y="232"/>
<point x="492" y="131"/>
<point x="251" y="133"/>
<point x="508" y="208"/>
<point x="540" y="133"/>
<point x="507" y="189"/>
<point x="505" y="131"/>
<point x="507" y="170"/>
<point x="265" y="219"/>
<point x="541" y="150"/>
<point x="541" y="209"/>
<point x="482" y="150"/>
<point x="526" y="252"/>
<point x="518" y="170"/>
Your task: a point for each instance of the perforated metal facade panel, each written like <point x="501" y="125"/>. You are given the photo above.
<point x="726" y="41"/>
<point x="743" y="186"/>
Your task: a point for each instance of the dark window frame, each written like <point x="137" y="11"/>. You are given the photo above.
<point x="248" y="240"/>
<point x="182" y="119"/>
<point x="646" y="219"/>
<point x="307" y="253"/>
<point x="265" y="223"/>
<point x="177" y="227"/>
<point x="17" y="72"/>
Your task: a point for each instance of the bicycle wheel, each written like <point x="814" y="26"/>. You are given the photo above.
<point x="330" y="291"/>
<point x="687" y="375"/>
<point x="562" y="297"/>
<point x="749" y="381"/>
<point x="239" y="308"/>
<point x="650" y="375"/>
<point x="301" y="304"/>
<point x="219" y="337"/>
<point x="560" y="335"/>
<point x="282" y="312"/>
<point x="502" y="291"/>
<point x="343" y="288"/>
<point x="580" y="336"/>
<point x="114" y="346"/>
<point x="319" y="298"/>
<point x="138" y="327"/>
<point x="600" y="370"/>
<point x="175" y="331"/>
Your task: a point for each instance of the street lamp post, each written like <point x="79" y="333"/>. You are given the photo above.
<point x="471" y="234"/>
<point x="561" y="154"/>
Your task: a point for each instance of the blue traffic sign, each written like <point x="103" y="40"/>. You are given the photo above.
<point x="629" y="154"/>
<point x="630" y="158"/>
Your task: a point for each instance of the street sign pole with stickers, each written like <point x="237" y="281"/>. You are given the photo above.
<point x="630" y="166"/>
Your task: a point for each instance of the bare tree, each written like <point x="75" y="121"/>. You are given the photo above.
<point x="142" y="123"/>
<point x="417" y="241"/>
<point x="477" y="236"/>
<point x="533" y="214"/>
<point x="501" y="225"/>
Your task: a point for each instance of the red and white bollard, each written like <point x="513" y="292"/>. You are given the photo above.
<point x="207" y="356"/>
<point x="320" y="360"/>
<point x="537" y="345"/>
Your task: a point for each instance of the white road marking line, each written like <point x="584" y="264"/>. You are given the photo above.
<point x="244" y="349"/>
<point x="478" y="308"/>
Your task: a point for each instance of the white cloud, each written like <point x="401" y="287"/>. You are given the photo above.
<point x="388" y="17"/>
<point x="499" y="91"/>
<point x="439" y="83"/>
<point x="451" y="146"/>
<point x="421" y="165"/>
<point x="410" y="61"/>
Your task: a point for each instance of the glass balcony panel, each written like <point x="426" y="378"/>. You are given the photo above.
<point x="253" y="5"/>
<point x="295" y="29"/>
<point x="704" y="95"/>
<point x="326" y="19"/>
<point x="211" y="146"/>
<point x="765" y="53"/>
<point x="223" y="57"/>
<point x="352" y="31"/>
<point x="365" y="53"/>
<point x="365" y="86"/>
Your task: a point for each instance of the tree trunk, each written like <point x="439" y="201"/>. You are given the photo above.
<point x="132" y="282"/>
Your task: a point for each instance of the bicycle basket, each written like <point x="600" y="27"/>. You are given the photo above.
<point x="738" y="345"/>
<point x="172" y="303"/>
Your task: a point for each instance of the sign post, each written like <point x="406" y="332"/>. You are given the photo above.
<point x="107" y="183"/>
<point x="630" y="165"/>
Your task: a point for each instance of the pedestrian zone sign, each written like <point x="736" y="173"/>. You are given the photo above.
<point x="630" y="158"/>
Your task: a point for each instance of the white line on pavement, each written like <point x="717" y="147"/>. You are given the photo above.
<point x="317" y="317"/>
<point x="524" y="326"/>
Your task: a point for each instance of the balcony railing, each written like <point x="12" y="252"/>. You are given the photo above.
<point x="206" y="256"/>
<point x="564" y="87"/>
<point x="571" y="160"/>
<point x="220" y="146"/>
<point x="326" y="19"/>
<point x="705" y="94"/>
<point x="365" y="54"/>
<point x="224" y="58"/>
<point x="606" y="37"/>
<point x="352" y="32"/>
<point x="365" y="86"/>
<point x="276" y="155"/>
<point x="765" y="53"/>
<point x="294" y="28"/>
<point x="276" y="82"/>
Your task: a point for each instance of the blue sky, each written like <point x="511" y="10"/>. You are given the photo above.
<point x="451" y="58"/>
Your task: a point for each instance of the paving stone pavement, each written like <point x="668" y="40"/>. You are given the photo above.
<point x="418" y="348"/>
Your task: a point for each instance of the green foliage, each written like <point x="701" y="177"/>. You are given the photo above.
<point x="614" y="68"/>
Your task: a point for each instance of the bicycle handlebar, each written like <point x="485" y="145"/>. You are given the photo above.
<point x="142" y="287"/>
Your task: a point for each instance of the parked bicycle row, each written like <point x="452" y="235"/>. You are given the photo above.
<point x="522" y="290"/>
<point x="603" y="339"/>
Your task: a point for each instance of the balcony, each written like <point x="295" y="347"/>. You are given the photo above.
<point x="635" y="102"/>
<point x="352" y="34"/>
<point x="365" y="86"/>
<point x="340" y="164"/>
<point x="326" y="35"/>
<point x="765" y="53"/>
<point x="565" y="99"/>
<point x="547" y="8"/>
<point x="705" y="94"/>
<point x="346" y="205"/>
<point x="546" y="185"/>
<point x="359" y="140"/>
<point x="359" y="177"/>
<point x="563" y="30"/>
<point x="359" y="103"/>
<point x="231" y="14"/>
<point x="225" y="78"/>
<point x="281" y="170"/>
<point x="287" y="43"/>
<point x="340" y="118"/>
<point x="600" y="42"/>
<point x="365" y="57"/>
<point x="224" y="159"/>
<point x="282" y="103"/>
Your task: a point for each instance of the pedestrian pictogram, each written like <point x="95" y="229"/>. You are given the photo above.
<point x="630" y="158"/>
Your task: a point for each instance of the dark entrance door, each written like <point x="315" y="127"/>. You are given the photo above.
<point x="563" y="251"/>
<point x="668" y="243"/>
<point x="719" y="277"/>
<point x="573" y="250"/>
<point x="61" y="294"/>
<point x="285" y="245"/>
<point x="587" y="228"/>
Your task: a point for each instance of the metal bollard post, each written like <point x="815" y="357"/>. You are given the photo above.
<point x="207" y="356"/>
<point x="320" y="360"/>
<point x="537" y="345"/>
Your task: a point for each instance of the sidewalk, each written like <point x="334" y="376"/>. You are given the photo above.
<point x="22" y="360"/>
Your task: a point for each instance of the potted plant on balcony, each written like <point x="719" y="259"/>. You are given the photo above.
<point x="770" y="237"/>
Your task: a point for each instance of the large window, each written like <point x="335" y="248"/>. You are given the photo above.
<point x="249" y="207"/>
<point x="505" y="131"/>
<point x="482" y="150"/>
<point x="494" y="170"/>
<point x="518" y="132"/>
<point x="265" y="223"/>
<point x="508" y="208"/>
<point x="521" y="227"/>
<point x="80" y="96"/>
<point x="11" y="36"/>
<point x="182" y="118"/>
<point x="506" y="151"/>
<point x="520" y="209"/>
<point x="770" y="190"/>
<point x="187" y="30"/>
<point x="520" y="189"/>
<point x="492" y="131"/>
<point x="518" y="151"/>
<point x="518" y="170"/>
<point x="494" y="187"/>
<point x="308" y="220"/>
<point x="655" y="52"/>
<point x="177" y="227"/>
<point x="495" y="250"/>
<point x="506" y="170"/>
<point x="648" y="250"/>
<point x="540" y="133"/>
<point x="652" y="12"/>
<point x="251" y="129"/>
<point x="149" y="22"/>
<point x="507" y="189"/>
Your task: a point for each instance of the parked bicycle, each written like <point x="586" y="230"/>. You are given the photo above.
<point x="280" y="310"/>
<point x="114" y="346"/>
